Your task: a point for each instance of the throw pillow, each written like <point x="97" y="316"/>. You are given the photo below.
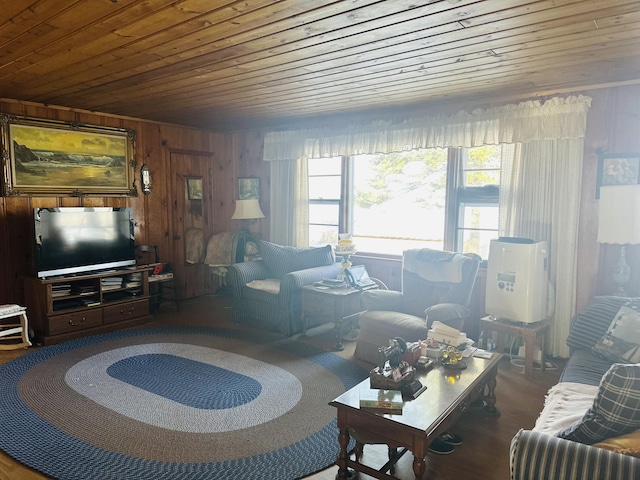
<point x="313" y="257"/>
<point x="588" y="326"/>
<point x="281" y="260"/>
<point x="615" y="410"/>
<point x="628" y="444"/>
<point x="277" y="258"/>
<point x="621" y="342"/>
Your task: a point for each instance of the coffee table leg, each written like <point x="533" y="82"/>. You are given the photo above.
<point x="490" y="396"/>
<point x="419" y="467"/>
<point x="343" y="439"/>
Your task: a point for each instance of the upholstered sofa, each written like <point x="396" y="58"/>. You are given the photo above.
<point x="589" y="427"/>
<point x="267" y="293"/>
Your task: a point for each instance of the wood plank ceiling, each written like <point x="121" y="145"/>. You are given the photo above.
<point x="226" y="64"/>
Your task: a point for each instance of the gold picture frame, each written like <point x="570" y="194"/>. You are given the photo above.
<point x="52" y="158"/>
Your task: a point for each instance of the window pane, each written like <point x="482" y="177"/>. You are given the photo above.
<point x="478" y="178"/>
<point x="485" y="157"/>
<point x="481" y="165"/>
<point x="399" y="200"/>
<point x="324" y="166"/>
<point x="477" y="241"/>
<point x="322" y="235"/>
<point x="483" y="217"/>
<point x="324" y="214"/>
<point x="324" y="187"/>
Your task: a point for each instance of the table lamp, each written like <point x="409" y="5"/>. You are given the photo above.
<point x="247" y="210"/>
<point x="619" y="224"/>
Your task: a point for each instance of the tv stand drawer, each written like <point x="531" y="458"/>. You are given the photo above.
<point x="70" y="322"/>
<point x="126" y="311"/>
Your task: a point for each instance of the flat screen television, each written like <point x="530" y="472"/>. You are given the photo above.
<point x="76" y="240"/>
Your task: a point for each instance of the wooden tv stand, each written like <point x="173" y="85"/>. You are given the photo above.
<point x="64" y="308"/>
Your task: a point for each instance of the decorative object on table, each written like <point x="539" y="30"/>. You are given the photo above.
<point x="619" y="224"/>
<point x="392" y="373"/>
<point x="447" y="335"/>
<point x="345" y="248"/>
<point x="431" y="348"/>
<point x="617" y="169"/>
<point x="345" y="244"/>
<point x="452" y="358"/>
<point x="388" y="400"/>
<point x="225" y="427"/>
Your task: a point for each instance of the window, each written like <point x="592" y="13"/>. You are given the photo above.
<point x="477" y="198"/>
<point x="325" y="200"/>
<point x="434" y="198"/>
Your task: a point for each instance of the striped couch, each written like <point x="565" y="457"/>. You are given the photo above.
<point x="574" y="437"/>
<point x="267" y="293"/>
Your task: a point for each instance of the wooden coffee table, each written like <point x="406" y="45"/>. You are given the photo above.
<point x="449" y="393"/>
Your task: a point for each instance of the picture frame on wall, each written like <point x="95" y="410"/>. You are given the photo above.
<point x="248" y="188"/>
<point x="53" y="158"/>
<point x="194" y="188"/>
<point x="617" y="169"/>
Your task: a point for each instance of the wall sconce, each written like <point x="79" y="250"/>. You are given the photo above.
<point x="145" y="176"/>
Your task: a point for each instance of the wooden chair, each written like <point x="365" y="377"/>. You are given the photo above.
<point x="161" y="279"/>
<point x="15" y="334"/>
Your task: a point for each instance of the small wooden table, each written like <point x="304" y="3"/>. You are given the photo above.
<point x="421" y="420"/>
<point x="528" y="332"/>
<point x="326" y="305"/>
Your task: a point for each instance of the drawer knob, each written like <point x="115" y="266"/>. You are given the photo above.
<point x="74" y="324"/>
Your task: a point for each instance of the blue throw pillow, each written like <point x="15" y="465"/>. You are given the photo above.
<point x="615" y="410"/>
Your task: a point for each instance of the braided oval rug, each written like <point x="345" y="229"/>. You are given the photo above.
<point x="174" y="403"/>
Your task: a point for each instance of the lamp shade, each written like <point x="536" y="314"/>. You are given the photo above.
<point x="619" y="215"/>
<point x="247" y="209"/>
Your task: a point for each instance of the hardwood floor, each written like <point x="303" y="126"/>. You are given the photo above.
<point x="484" y="453"/>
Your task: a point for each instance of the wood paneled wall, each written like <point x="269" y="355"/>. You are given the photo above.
<point x="231" y="156"/>
<point x="613" y="125"/>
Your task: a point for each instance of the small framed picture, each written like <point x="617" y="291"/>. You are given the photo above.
<point x="194" y="188"/>
<point x="617" y="169"/>
<point x="248" y="188"/>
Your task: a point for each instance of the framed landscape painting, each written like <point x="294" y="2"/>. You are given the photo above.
<point x="248" y="188"/>
<point x="50" y="158"/>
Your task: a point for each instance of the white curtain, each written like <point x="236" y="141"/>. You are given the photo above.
<point x="540" y="189"/>
<point x="540" y="199"/>
<point x="289" y="201"/>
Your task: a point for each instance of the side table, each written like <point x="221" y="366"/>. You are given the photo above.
<point x="326" y="304"/>
<point x="528" y="332"/>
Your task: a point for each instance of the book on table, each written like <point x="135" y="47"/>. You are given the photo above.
<point x="379" y="399"/>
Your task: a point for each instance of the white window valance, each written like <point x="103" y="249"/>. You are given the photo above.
<point x="555" y="118"/>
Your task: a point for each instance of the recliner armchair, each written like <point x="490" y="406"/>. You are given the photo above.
<point x="436" y="285"/>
